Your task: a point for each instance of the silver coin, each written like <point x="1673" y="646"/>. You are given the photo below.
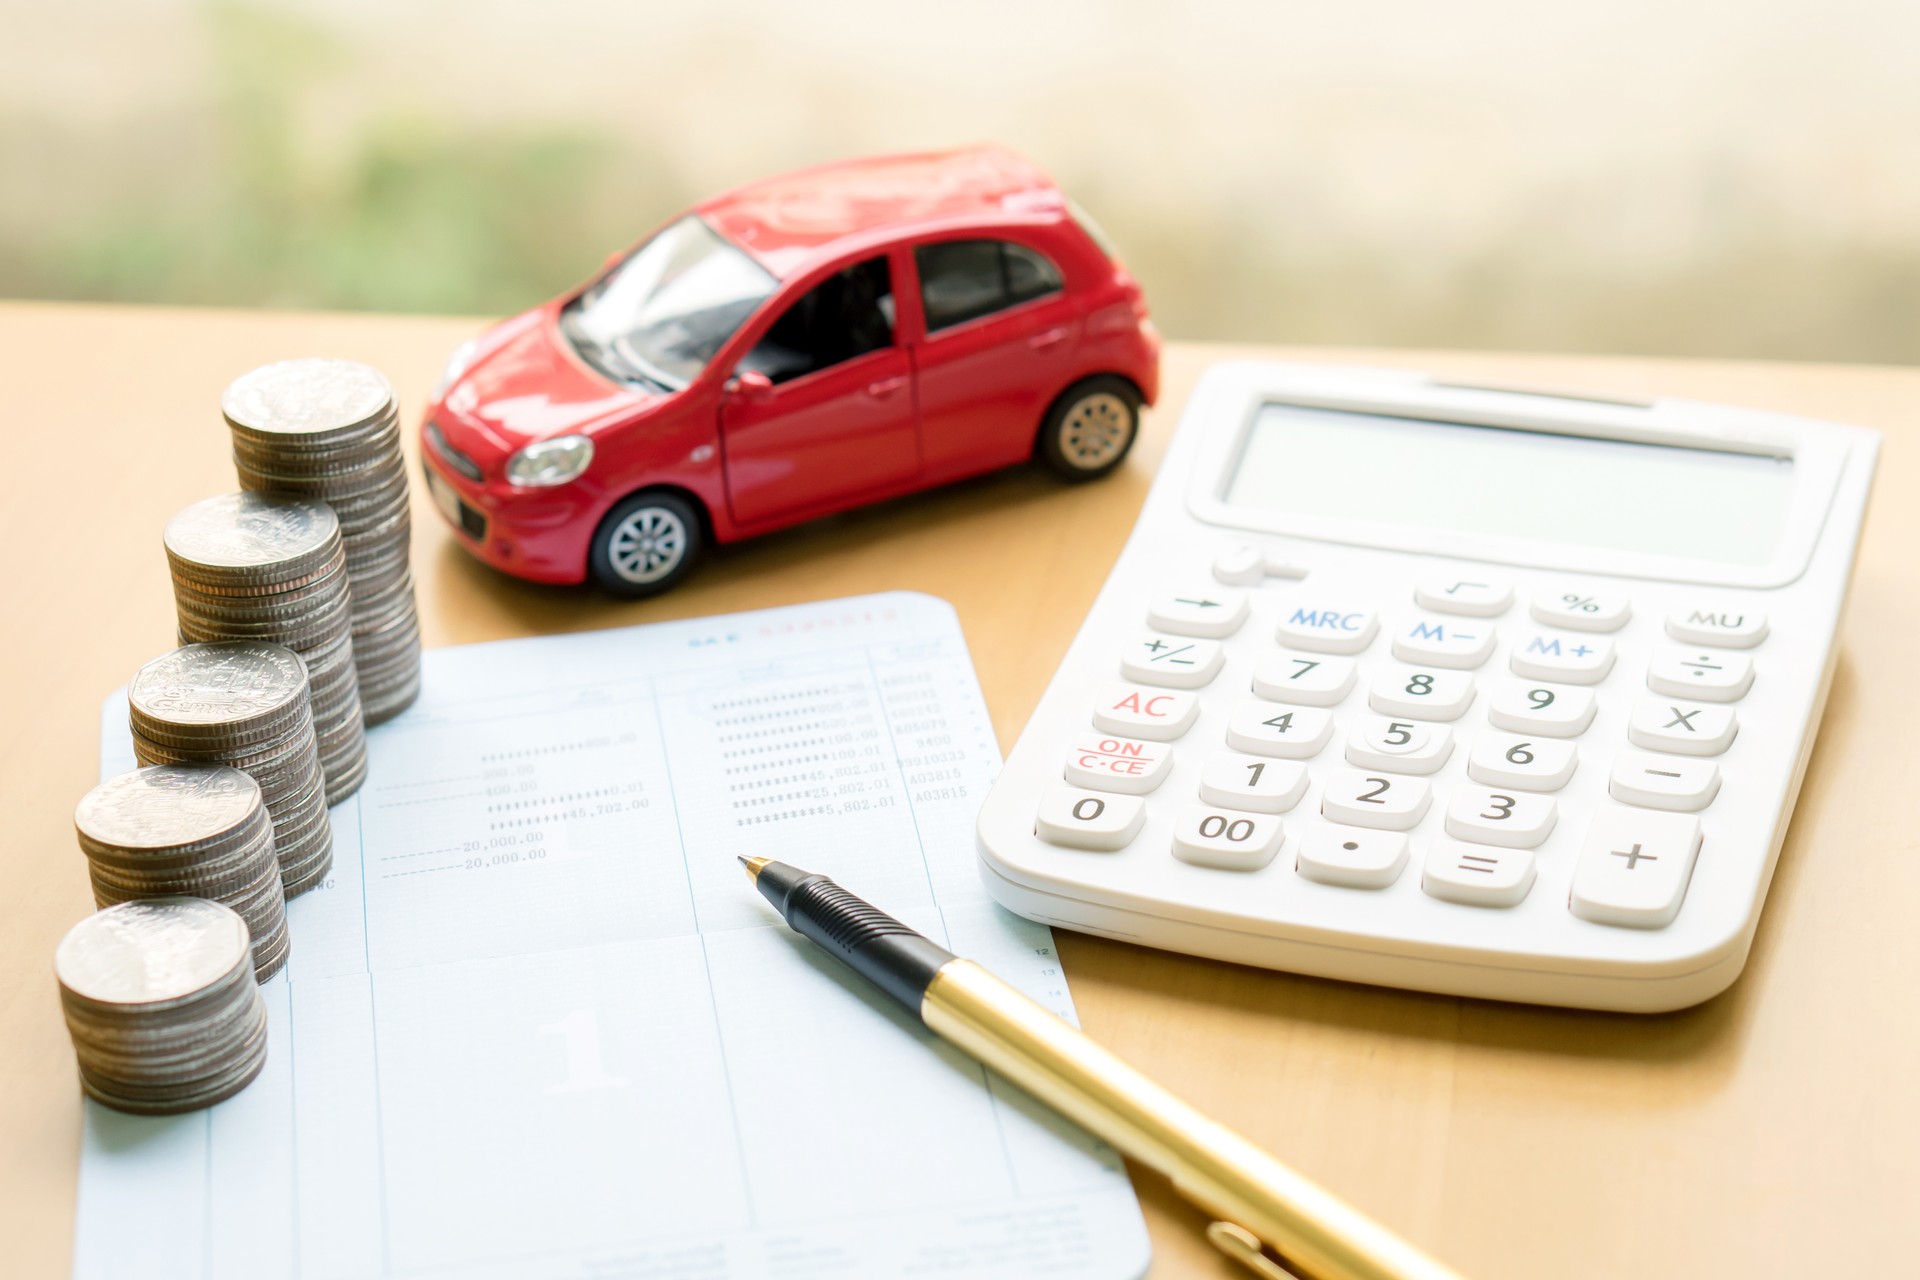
<point x="306" y="397"/>
<point x="166" y="807"/>
<point x="159" y="950"/>
<point x="251" y="535"/>
<point x="202" y="688"/>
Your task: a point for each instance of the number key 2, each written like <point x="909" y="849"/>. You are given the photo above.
<point x="1361" y="798"/>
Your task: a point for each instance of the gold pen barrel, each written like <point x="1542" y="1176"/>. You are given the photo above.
<point x="1314" y="1231"/>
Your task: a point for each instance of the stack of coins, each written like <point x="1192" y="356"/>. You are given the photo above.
<point x="193" y="829"/>
<point x="247" y="566"/>
<point x="330" y="429"/>
<point x="242" y="704"/>
<point x="162" y="1005"/>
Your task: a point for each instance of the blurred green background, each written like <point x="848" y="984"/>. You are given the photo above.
<point x="1693" y="178"/>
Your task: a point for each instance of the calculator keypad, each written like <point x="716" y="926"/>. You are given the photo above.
<point x="1289" y="724"/>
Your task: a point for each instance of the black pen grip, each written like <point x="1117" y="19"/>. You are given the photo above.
<point x="895" y="958"/>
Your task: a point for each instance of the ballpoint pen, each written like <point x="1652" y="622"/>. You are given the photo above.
<point x="1262" y="1209"/>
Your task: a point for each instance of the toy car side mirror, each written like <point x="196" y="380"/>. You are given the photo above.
<point x="751" y="385"/>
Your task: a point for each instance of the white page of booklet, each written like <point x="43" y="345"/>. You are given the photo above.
<point x="537" y="1023"/>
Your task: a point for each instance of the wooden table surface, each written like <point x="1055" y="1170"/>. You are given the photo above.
<point x="1774" y="1131"/>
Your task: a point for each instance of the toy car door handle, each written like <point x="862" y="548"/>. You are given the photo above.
<point x="1041" y="341"/>
<point x="886" y="386"/>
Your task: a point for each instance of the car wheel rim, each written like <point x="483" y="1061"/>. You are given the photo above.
<point x="648" y="545"/>
<point x="1095" y="430"/>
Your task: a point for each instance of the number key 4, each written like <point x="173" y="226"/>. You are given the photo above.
<point x="1276" y="729"/>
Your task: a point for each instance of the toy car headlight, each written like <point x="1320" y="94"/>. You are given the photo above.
<point x="550" y="462"/>
<point x="456" y="365"/>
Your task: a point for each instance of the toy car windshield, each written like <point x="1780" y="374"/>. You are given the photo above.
<point x="660" y="315"/>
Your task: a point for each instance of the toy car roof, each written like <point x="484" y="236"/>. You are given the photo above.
<point x="791" y="222"/>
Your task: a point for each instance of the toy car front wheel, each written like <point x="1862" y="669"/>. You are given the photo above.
<point x="646" y="544"/>
<point x="1090" y="428"/>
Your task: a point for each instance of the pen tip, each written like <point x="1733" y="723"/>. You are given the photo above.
<point x="753" y="866"/>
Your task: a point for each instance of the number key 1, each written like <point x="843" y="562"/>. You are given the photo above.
<point x="1253" y="783"/>
<point x="1549" y="710"/>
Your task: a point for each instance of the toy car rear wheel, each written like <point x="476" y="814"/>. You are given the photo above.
<point x="1090" y="428"/>
<point x="646" y="544"/>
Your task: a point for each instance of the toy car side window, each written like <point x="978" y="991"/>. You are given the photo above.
<point x="848" y="314"/>
<point x="962" y="280"/>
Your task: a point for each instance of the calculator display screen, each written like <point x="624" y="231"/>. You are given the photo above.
<point x="1576" y="490"/>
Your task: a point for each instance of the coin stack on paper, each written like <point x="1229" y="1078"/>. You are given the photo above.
<point x="244" y="704"/>
<point x="162" y="1005"/>
<point x="330" y="429"/>
<point x="247" y="566"/>
<point x="193" y="829"/>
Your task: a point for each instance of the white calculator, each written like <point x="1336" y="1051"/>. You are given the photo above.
<point x="1489" y="692"/>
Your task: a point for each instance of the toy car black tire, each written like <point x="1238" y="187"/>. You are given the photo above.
<point x="1091" y="428"/>
<point x="646" y="544"/>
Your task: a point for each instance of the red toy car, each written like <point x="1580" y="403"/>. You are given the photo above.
<point x="790" y="349"/>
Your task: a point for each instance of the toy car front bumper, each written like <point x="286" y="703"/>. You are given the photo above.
<point x="541" y="537"/>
